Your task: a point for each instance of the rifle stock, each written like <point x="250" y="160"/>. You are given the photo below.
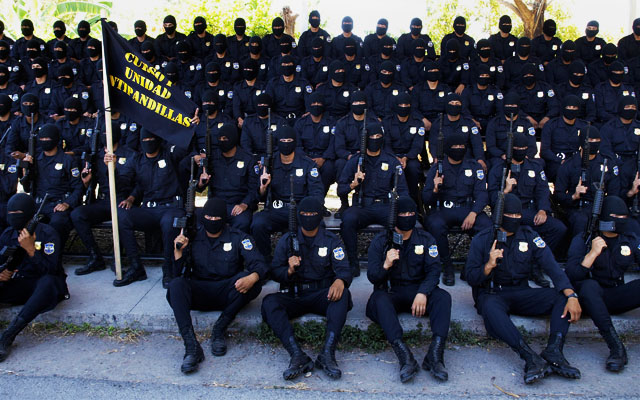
<point x="394" y="239"/>
<point x="361" y="158"/>
<point x="584" y="165"/>
<point x="440" y="157"/>
<point x="598" y="199"/>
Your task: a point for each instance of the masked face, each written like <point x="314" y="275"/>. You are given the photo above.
<point x="93" y="52"/>
<point x="415" y="30"/>
<point x="71" y="114"/>
<point x="381" y="30"/>
<point x="199" y="28"/>
<point x="47" y="144"/>
<point x="519" y="154"/>
<point x="212" y="76"/>
<point x="358" y="109"/>
<point x="4" y="78"/>
<point x="590" y="32"/>
<point x="529" y="80"/>
<point x="403" y="110"/>
<point x="226" y="145"/>
<point x="629" y="113"/>
<point x="254" y="49"/>
<point x="83" y="32"/>
<point x="288" y="69"/>
<point x="32" y="53"/>
<point x="27" y="30"/>
<point x="460" y="28"/>
<point x="338" y="75"/>
<point x="58" y="32"/>
<point x="213" y="226"/>
<point x="374" y="143"/>
<point x="576" y="79"/>
<point x="316" y="109"/>
<point x="29" y="108"/>
<point x="278" y="30"/>
<point x="285" y="48"/>
<point x="17" y="220"/>
<point x="510" y="109"/>
<point x="65" y="80"/>
<point x="406" y="221"/>
<point x="309" y="220"/>
<point x="433" y="75"/>
<point x="594" y="147"/>
<point x="453" y="109"/>
<point x="317" y="52"/>
<point x="140" y="31"/>
<point x="524" y="50"/>
<point x="314" y="22"/>
<point x="350" y="51"/>
<point x="262" y="110"/>
<point x="60" y="53"/>
<point x="347" y="27"/>
<point x="286" y="146"/>
<point x="505" y="27"/>
<point x="457" y="153"/>
<point x="484" y="52"/>
<point x="240" y="30"/>
<point x="210" y="107"/>
<point x="183" y="56"/>
<point x="570" y="113"/>
<point x="483" y="80"/>
<point x="169" y="28"/>
<point x="418" y="52"/>
<point x="249" y="74"/>
<point x="511" y="224"/>
<point x="150" y="146"/>
<point x="4" y="53"/>
<point x="386" y="78"/>
<point x="5" y="108"/>
<point x="616" y="77"/>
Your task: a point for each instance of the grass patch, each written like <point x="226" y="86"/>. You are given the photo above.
<point x="124" y="335"/>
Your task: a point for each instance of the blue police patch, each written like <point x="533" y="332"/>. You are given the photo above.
<point x="367" y="67"/>
<point x="615" y="170"/>
<point x="75" y="172"/>
<point x="309" y="89"/>
<point x="541" y="67"/>
<point x="421" y="131"/>
<point x="85" y="95"/>
<point x="543" y="176"/>
<point x="314" y="172"/>
<point x="532" y="131"/>
<point x="465" y="66"/>
<point x="474" y="130"/>
<point x="49" y="248"/>
<point x="133" y="127"/>
<point x="333" y="130"/>
<point x="298" y="68"/>
<point x="638" y="246"/>
<point x="256" y="169"/>
<point x="230" y="94"/>
<point x="398" y="67"/>
<point x="433" y="251"/>
<point x="198" y="67"/>
<point x="338" y="253"/>
<point x="247" y="244"/>
<point x="551" y="93"/>
<point x="236" y="65"/>
<point x="480" y="174"/>
<point x="12" y="168"/>
<point x="539" y="242"/>
<point x="187" y="93"/>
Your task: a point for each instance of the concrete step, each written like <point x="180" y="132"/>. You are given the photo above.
<point x="143" y="305"/>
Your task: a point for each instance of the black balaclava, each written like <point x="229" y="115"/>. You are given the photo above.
<point x="616" y="67"/>
<point x="505" y="24"/>
<point x="49" y="131"/>
<point x="214" y="207"/>
<point x="594" y="133"/>
<point x="483" y="69"/>
<point x="416" y="26"/>
<point x="549" y="27"/>
<point x="314" y="19"/>
<point x="373" y="145"/>
<point x="386" y="46"/>
<point x="26" y="27"/>
<point x="316" y="110"/>
<point x="230" y="131"/>
<point x="627" y="101"/>
<point x="59" y="29"/>
<point x="529" y="69"/>
<point x="60" y="50"/>
<point x="459" y="25"/>
<point x="4" y="74"/>
<point x="42" y="69"/>
<point x="512" y="205"/>
<point x="31" y="109"/>
<point x="430" y="74"/>
<point x="453" y="49"/>
<point x="5" y="104"/>
<point x="84" y="29"/>
<point x="149" y="146"/>
<point x="450" y="109"/>
<point x="147" y="50"/>
<point x="350" y="46"/>
<point x="403" y="111"/>
<point x="592" y="33"/>
<point x="523" y="46"/>
<point x="279" y="23"/>
<point x="570" y="100"/>
<point x="72" y="103"/>
<point x="263" y="98"/>
<point x="183" y="51"/>
<point x="419" y="48"/>
<point x="609" y="53"/>
<point x="511" y="98"/>
<point x="199" y="25"/>
<point x="170" y="19"/>
<point x="519" y="140"/>
<point x="255" y="45"/>
<point x="240" y="26"/>
<point x="220" y="43"/>
<point x="347" y="24"/>
<point x="358" y="109"/>
<point x="140" y="28"/>
<point x="484" y="48"/>
<point x="94" y="48"/>
<point x="568" y="50"/>
<point x="287" y="70"/>
<point x="211" y="98"/>
<point x="636" y="26"/>
<point x="34" y="45"/>
<point x="4" y="50"/>
<point x="67" y="71"/>
<point x="613" y="205"/>
<point x="212" y="72"/>
<point x="250" y="69"/>
<point x="381" y="31"/>
<point x="317" y="47"/>
<point x="20" y="202"/>
<point x="406" y="205"/>
<point x="455" y="139"/>
<point x="388" y="67"/>
<point x="171" y="72"/>
<point x="286" y="45"/>
<point x="333" y="74"/>
<point x="310" y="204"/>
<point x="286" y="132"/>
<point x="577" y="72"/>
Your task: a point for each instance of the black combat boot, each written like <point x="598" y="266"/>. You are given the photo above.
<point x="8" y="336"/>
<point x="327" y="359"/>
<point x="300" y="362"/>
<point x="218" y="334"/>
<point x="535" y="367"/>
<point x="193" y="354"/>
<point x="618" y="354"/>
<point x="448" y="275"/>
<point x="134" y="273"/>
<point x="95" y="263"/>
<point x="538" y="278"/>
<point x="555" y="358"/>
<point x="434" y="360"/>
<point x="408" y="364"/>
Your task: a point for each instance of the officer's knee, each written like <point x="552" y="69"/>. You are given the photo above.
<point x="46" y="286"/>
<point x="436" y="224"/>
<point x="490" y="305"/>
<point x="590" y="288"/>
<point x="350" y="218"/>
<point x="269" y="304"/>
<point x="441" y="296"/>
<point x="79" y="215"/>
<point x="260" y="222"/>
<point x="379" y="297"/>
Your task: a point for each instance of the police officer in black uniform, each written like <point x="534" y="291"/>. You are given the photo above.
<point x="577" y="86"/>
<point x="336" y="91"/>
<point x="165" y="43"/>
<point x="255" y="127"/>
<point x="536" y="98"/>
<point x="513" y="66"/>
<point x="289" y="91"/>
<point x="466" y="43"/>
<point x="339" y="42"/>
<point x="406" y="41"/>
<point x="372" y="42"/>
<point x="589" y="47"/>
<point x="10" y="89"/>
<point x="305" y="43"/>
<point x="141" y="37"/>
<point x="546" y="45"/>
<point x="39" y="282"/>
<point x="246" y="92"/>
<point x="271" y="41"/>
<point x="500" y="288"/>
<point x="313" y="279"/>
<point x="238" y="43"/>
<point x="608" y="93"/>
<point x="503" y="43"/>
<point x="630" y="45"/>
<point x="620" y="136"/>
<point x="210" y="274"/>
<point x="406" y="278"/>
<point x="19" y="50"/>
<point x="597" y="269"/>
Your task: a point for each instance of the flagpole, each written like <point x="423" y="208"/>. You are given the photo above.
<point x="111" y="166"/>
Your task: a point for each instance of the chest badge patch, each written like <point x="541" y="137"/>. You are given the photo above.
<point x="322" y="251"/>
<point x="162" y="163"/>
<point x="625" y="250"/>
<point x="523" y="247"/>
<point x="532" y="173"/>
<point x="384" y="166"/>
<point x="58" y="166"/>
<point x="38" y="245"/>
<point x="419" y="249"/>
<point x="240" y="164"/>
<point x="226" y="246"/>
<point x="299" y="172"/>
<point x="468" y="173"/>
<point x="122" y="160"/>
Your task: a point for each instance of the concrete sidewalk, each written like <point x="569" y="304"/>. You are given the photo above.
<point x="143" y="305"/>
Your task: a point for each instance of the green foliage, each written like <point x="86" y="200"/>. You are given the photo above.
<point x="561" y="13"/>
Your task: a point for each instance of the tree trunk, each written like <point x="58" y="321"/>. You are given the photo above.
<point x="289" y="20"/>
<point x="531" y="14"/>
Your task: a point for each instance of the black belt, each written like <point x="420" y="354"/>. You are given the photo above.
<point x="502" y="286"/>
<point x="454" y="204"/>
<point x="372" y="200"/>
<point x="295" y="288"/>
<point x="529" y="205"/>
<point x="176" y="202"/>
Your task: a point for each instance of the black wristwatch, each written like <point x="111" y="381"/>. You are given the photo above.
<point x="574" y="295"/>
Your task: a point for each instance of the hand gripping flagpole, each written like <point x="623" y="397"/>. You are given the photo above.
<point x="111" y="167"/>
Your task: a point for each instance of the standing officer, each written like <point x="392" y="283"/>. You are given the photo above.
<point x="18" y="138"/>
<point x="503" y="43"/>
<point x="229" y="175"/>
<point x="630" y="45"/>
<point x="165" y="43"/>
<point x="159" y="191"/>
<point x="373" y="41"/>
<point x="577" y="86"/>
<point x="406" y="41"/>
<point x="289" y="91"/>
<point x="339" y="42"/>
<point x="381" y="94"/>
<point x="200" y="41"/>
<point x="315" y="279"/>
<point x="495" y="68"/>
<point x="239" y="42"/>
<point x="457" y="198"/>
<point x="406" y="278"/>
<point x="501" y="289"/>
<point x="589" y="47"/>
<point x="608" y="93"/>
<point x="86" y="216"/>
<point x="275" y="188"/>
<point x="141" y="37"/>
<point x="482" y="100"/>
<point x="597" y="271"/>
<point x="546" y="46"/>
<point x="271" y="41"/>
<point x="211" y="275"/>
<point x="430" y="96"/>
<point x="513" y="66"/>
<point x="305" y="43"/>
<point x="39" y="282"/>
<point x="371" y="175"/>
<point x="466" y="42"/>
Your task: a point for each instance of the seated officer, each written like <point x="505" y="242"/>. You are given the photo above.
<point x="574" y="195"/>
<point x="482" y="100"/>
<point x="620" y="136"/>
<point x="315" y="279"/>
<point x="229" y="175"/>
<point x="99" y="209"/>
<point x="536" y="97"/>
<point x="203" y="282"/>
<point x="382" y="93"/>
<point x="597" y="270"/>
<point x="372" y="178"/>
<point x="457" y="198"/>
<point x="275" y="188"/>
<point x="18" y="137"/>
<point x="501" y="289"/>
<point x="38" y="281"/>
<point x="289" y="91"/>
<point x="255" y="126"/>
<point x="406" y="278"/>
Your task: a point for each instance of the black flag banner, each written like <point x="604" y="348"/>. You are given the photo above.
<point x="144" y="94"/>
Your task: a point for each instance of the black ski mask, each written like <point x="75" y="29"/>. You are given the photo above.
<point x="48" y="136"/>
<point x="214" y="207"/>
<point x="613" y="205"/>
<point x="230" y="132"/>
<point x="406" y="205"/>
<point x="455" y="139"/>
<point x="288" y="147"/>
<point x="512" y="205"/>
<point x="20" y="202"/>
<point x="149" y="146"/>
<point x="374" y="145"/>
<point x="310" y="205"/>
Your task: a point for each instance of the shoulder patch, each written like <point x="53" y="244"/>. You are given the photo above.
<point x="480" y="174"/>
<point x="74" y="172"/>
<point x="543" y="176"/>
<point x="615" y="170"/>
<point x="49" y="248"/>
<point x="12" y="169"/>
<point x="541" y="67"/>
<point x="421" y="131"/>
<point x="433" y="251"/>
<point x="474" y="130"/>
<point x="551" y="93"/>
<point x="500" y="96"/>
<point x="309" y="89"/>
<point x="539" y="242"/>
<point x="338" y="253"/>
<point x="314" y="172"/>
<point x="256" y="169"/>
<point x="246" y="243"/>
<point x="532" y="131"/>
